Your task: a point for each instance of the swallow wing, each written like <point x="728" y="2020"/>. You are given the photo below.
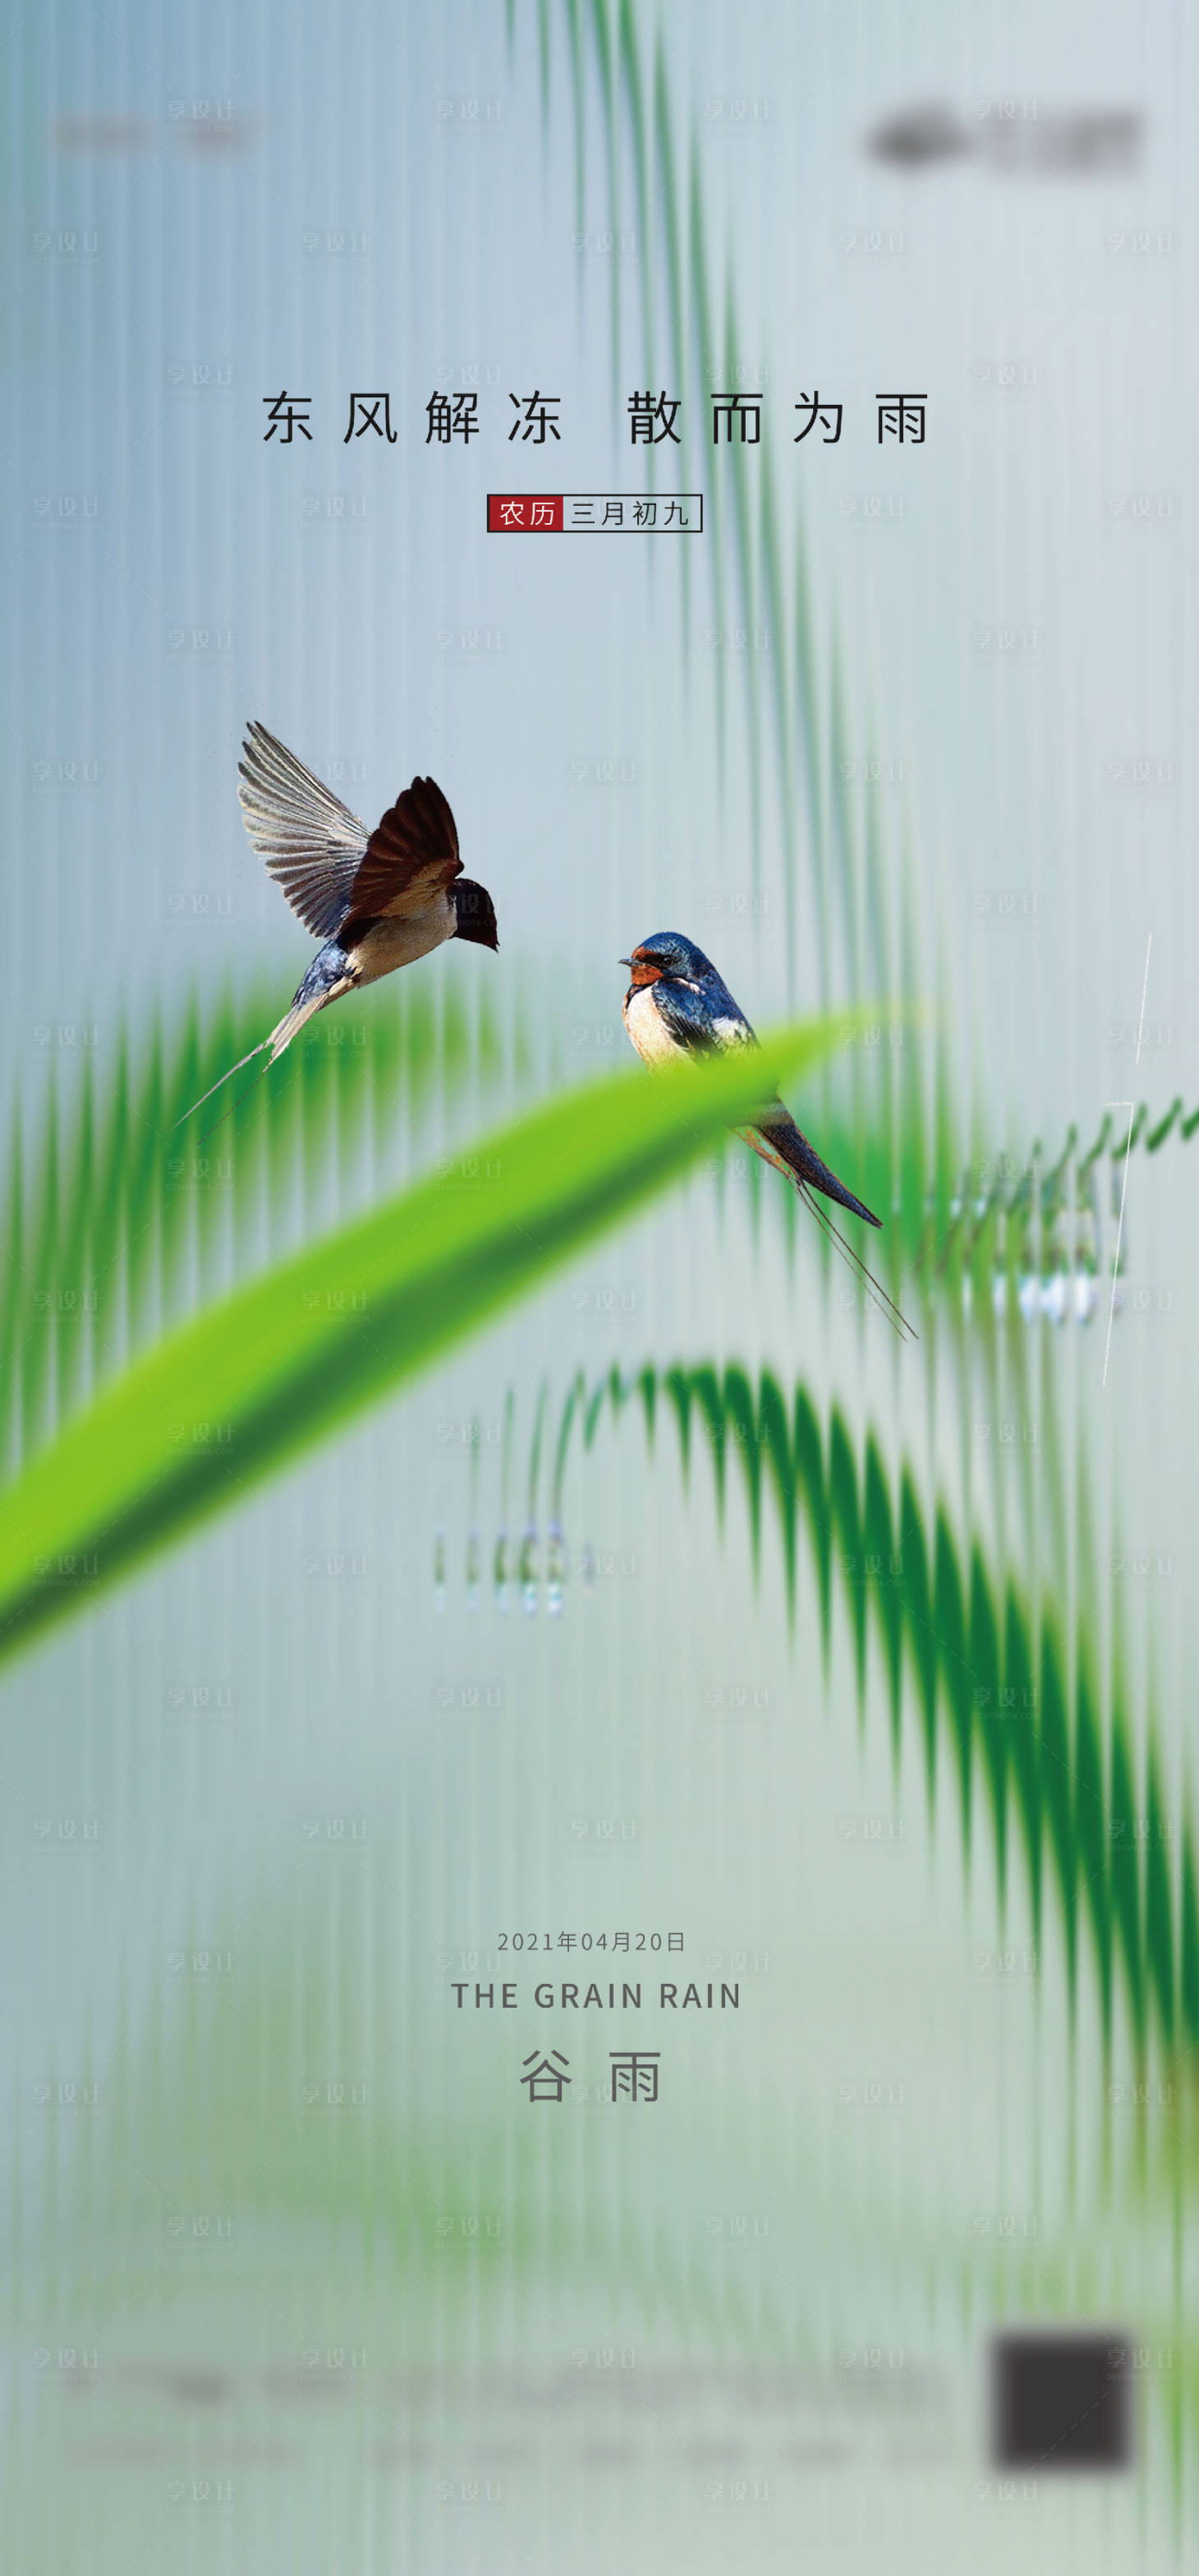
<point x="411" y="856"/>
<point x="708" y="1019"/>
<point x="776" y="1137"/>
<point x="311" y="842"/>
<point x="705" y="1019"/>
<point x="702" y="1020"/>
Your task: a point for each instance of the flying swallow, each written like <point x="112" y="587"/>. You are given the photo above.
<point x="376" y="900"/>
<point x="678" y="1005"/>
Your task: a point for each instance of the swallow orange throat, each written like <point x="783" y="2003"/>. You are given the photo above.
<point x="643" y="971"/>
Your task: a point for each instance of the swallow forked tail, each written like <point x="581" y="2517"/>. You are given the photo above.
<point x="788" y="1149"/>
<point x="280" y="1037"/>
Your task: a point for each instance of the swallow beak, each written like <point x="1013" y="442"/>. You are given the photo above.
<point x="624" y="961"/>
<point x="643" y="969"/>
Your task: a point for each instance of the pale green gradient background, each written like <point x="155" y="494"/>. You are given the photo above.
<point x="335" y="1832"/>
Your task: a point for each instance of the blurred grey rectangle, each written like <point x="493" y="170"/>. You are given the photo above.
<point x="1061" y="2401"/>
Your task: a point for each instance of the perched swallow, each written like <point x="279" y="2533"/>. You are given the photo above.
<point x="377" y="899"/>
<point x="676" y="1005"/>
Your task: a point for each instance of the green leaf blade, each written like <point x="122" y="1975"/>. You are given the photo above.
<point x="294" y="1355"/>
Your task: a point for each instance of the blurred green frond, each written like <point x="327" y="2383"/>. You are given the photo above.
<point x="121" y="1214"/>
<point x="1000" y="1691"/>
